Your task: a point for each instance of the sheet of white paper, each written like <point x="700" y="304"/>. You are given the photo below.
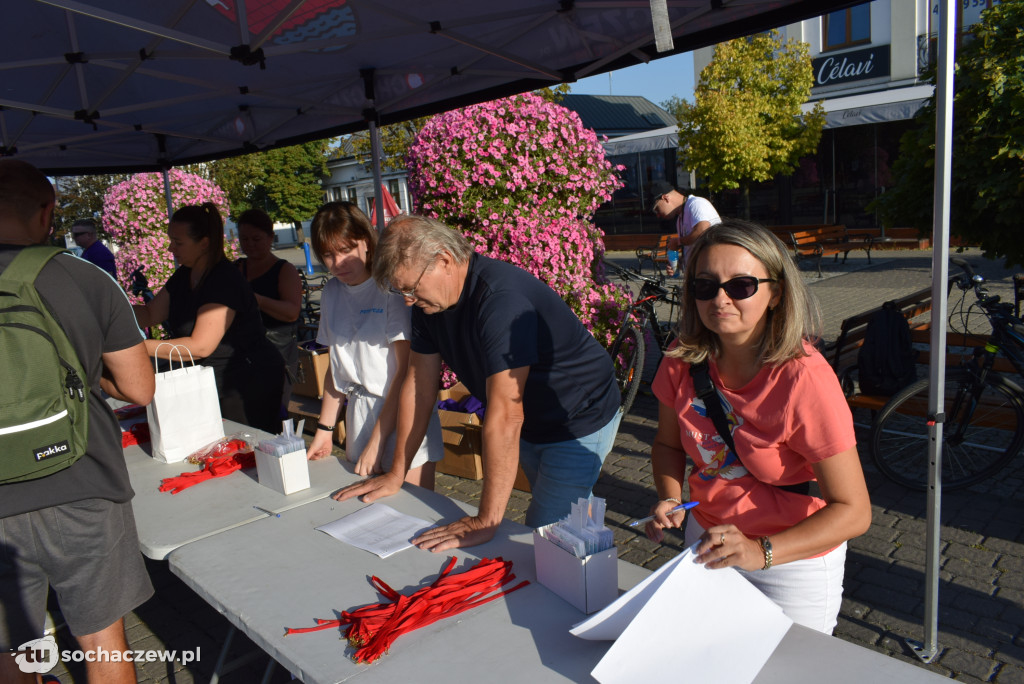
<point x="612" y="620"/>
<point x="716" y="625"/>
<point x="377" y="528"/>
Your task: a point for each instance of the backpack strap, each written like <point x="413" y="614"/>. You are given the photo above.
<point x="27" y="263"/>
<point x="705" y="389"/>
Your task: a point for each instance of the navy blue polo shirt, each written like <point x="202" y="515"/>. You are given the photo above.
<point x="506" y="318"/>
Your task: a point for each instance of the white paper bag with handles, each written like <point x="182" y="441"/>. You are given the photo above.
<point x="185" y="412"/>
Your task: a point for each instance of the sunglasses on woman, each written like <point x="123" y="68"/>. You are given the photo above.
<point x="740" y="287"/>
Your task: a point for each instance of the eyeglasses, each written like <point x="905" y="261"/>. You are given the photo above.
<point x="740" y="287"/>
<point x="84" y="232"/>
<point x="411" y="292"/>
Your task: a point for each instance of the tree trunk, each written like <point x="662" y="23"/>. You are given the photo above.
<point x="745" y="201"/>
<point x="300" y="235"/>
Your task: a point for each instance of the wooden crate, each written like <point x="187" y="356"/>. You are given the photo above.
<point x="312" y="368"/>
<point x="462" y="434"/>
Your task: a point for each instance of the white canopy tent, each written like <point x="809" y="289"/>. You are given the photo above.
<point x="90" y="86"/>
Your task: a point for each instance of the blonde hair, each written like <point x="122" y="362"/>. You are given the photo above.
<point x="795" y="319"/>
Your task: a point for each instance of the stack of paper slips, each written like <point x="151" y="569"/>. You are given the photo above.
<point x="582" y="533"/>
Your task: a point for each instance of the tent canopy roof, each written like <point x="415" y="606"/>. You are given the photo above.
<point x="105" y="85"/>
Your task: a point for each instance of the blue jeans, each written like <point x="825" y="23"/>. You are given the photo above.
<point x="562" y="472"/>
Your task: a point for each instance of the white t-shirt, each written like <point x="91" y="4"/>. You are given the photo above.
<point x="359" y="324"/>
<point x="695" y="210"/>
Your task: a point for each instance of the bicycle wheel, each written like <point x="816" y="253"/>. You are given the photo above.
<point x="627" y="352"/>
<point x="979" y="436"/>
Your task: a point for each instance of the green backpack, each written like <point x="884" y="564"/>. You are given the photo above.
<point x="44" y="402"/>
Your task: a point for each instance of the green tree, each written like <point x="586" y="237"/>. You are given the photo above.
<point x="291" y="186"/>
<point x="987" y="183"/>
<point x="238" y="177"/>
<point x="82" y="197"/>
<point x="286" y="182"/>
<point x="746" y="123"/>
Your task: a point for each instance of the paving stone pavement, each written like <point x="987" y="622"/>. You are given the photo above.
<point x="981" y="594"/>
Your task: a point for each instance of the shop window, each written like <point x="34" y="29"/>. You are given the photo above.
<point x="353" y="196"/>
<point x="396" y="192"/>
<point x="968" y="13"/>
<point x="846" y="28"/>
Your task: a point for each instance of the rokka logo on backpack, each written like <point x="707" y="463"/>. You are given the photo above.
<point x="51" y="450"/>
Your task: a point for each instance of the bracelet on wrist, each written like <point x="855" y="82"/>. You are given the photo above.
<point x="325" y="428"/>
<point x="672" y="499"/>
<point x="766" y="548"/>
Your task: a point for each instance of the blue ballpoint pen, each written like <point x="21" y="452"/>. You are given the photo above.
<point x="681" y="507"/>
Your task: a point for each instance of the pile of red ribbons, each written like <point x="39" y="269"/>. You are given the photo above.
<point x="372" y="629"/>
<point x="136" y="434"/>
<point x="216" y="466"/>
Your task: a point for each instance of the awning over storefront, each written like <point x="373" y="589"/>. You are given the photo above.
<point x="648" y="141"/>
<point x="865" y="108"/>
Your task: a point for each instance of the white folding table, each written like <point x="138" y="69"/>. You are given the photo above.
<point x="166" y="521"/>
<point x="281" y="572"/>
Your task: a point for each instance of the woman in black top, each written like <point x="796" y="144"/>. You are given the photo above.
<point x="207" y="306"/>
<point x="277" y="286"/>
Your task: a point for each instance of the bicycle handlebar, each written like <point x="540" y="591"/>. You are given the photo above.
<point x="628" y="274"/>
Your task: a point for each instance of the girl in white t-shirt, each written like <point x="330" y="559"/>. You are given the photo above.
<point x="367" y="331"/>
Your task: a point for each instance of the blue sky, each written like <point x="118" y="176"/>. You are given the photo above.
<point x="657" y="80"/>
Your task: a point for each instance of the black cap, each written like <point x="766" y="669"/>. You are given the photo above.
<point x="659" y="189"/>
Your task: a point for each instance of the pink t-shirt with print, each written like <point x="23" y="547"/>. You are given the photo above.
<point x="784" y="420"/>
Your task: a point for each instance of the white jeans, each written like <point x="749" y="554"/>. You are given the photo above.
<point x="809" y="591"/>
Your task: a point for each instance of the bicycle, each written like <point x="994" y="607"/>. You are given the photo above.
<point x="309" y="315"/>
<point x="629" y="349"/>
<point x="983" y="426"/>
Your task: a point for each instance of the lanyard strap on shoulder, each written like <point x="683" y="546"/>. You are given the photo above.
<point x="705" y="389"/>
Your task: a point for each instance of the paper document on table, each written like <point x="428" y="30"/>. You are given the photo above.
<point x="730" y="629"/>
<point x="610" y="622"/>
<point x="378" y="529"/>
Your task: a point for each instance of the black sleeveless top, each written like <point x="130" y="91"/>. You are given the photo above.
<point x="267" y="285"/>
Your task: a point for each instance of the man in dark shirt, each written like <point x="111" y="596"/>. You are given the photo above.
<point x="94" y="251"/>
<point x="73" y="530"/>
<point x="552" y="402"/>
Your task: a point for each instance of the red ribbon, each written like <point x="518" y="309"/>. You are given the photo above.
<point x="213" y="467"/>
<point x="373" y="628"/>
<point x="136" y="434"/>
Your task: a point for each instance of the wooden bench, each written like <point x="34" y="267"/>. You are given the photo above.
<point x="815" y="242"/>
<point x="656" y="255"/>
<point x="842" y="355"/>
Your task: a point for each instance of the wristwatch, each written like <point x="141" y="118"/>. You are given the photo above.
<point x="766" y="547"/>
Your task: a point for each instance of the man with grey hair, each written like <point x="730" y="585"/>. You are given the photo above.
<point x="84" y="233"/>
<point x="551" y="398"/>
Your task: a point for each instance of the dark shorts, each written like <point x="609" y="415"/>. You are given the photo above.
<point x="88" y="551"/>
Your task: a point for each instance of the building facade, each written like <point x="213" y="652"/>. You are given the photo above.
<point x="869" y="63"/>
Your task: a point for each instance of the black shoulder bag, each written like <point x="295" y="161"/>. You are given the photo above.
<point x="705" y="389"/>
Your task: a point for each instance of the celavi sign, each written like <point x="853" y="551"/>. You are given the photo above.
<point x="859" y="65"/>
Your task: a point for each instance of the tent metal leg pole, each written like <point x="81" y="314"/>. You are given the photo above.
<point x="378" y="182"/>
<point x="167" y="193"/>
<point x="929" y="648"/>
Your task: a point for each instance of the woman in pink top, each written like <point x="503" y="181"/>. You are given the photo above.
<point x="747" y="313"/>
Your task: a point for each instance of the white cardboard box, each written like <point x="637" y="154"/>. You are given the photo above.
<point x="589" y="583"/>
<point x="286" y="474"/>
